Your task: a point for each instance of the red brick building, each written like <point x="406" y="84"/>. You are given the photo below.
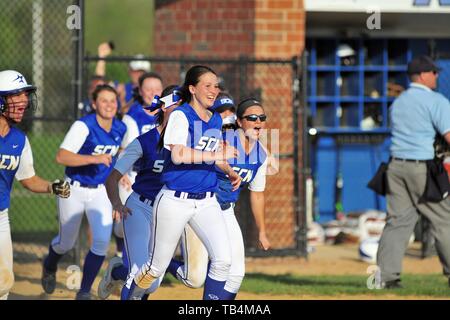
<point x="260" y="29"/>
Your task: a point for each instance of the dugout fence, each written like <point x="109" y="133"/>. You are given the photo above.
<point x="276" y="83"/>
<point x="39" y="40"/>
<point x="38" y="43"/>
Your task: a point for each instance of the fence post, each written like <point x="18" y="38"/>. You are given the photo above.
<point x="38" y="59"/>
<point x="299" y="181"/>
<point x="78" y="93"/>
<point x="79" y="61"/>
<point x="307" y="182"/>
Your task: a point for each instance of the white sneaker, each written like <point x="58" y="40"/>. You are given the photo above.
<point x="107" y="284"/>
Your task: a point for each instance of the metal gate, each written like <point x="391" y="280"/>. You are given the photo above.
<point x="276" y="83"/>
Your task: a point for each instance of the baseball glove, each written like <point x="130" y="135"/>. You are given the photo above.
<point x="61" y="188"/>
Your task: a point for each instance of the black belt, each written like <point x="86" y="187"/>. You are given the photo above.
<point x="408" y="160"/>
<point x="84" y="185"/>
<point x="226" y="206"/>
<point x="196" y="196"/>
<point x="145" y="200"/>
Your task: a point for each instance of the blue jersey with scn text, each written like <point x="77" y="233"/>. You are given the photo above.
<point x="98" y="142"/>
<point x="144" y="121"/>
<point x="148" y="180"/>
<point x="11" y="147"/>
<point x="245" y="165"/>
<point x="203" y="136"/>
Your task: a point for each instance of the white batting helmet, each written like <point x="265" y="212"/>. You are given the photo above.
<point x="13" y="82"/>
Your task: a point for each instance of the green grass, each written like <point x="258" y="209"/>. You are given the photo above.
<point x="129" y="24"/>
<point x="34" y="214"/>
<point x="433" y="285"/>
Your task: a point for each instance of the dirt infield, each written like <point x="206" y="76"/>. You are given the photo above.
<point x="326" y="260"/>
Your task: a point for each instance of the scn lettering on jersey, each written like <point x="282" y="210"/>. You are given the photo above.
<point x="9" y="162"/>
<point x="207" y="144"/>
<point x="101" y="149"/>
<point x="245" y="174"/>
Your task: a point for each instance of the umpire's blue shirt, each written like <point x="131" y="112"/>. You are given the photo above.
<point x="415" y="117"/>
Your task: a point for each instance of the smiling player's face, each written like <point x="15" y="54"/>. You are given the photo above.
<point x="150" y="87"/>
<point x="206" y="90"/>
<point x="106" y="105"/>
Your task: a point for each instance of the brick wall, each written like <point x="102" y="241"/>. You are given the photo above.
<point x="258" y="29"/>
<point x="279" y="28"/>
<point x="204" y="28"/>
<point x="229" y="28"/>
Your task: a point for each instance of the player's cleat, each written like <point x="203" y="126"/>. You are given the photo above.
<point x="48" y="280"/>
<point x="133" y="293"/>
<point x="107" y="284"/>
<point x="393" y="284"/>
<point x="83" y="296"/>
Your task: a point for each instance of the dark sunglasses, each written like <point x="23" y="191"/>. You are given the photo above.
<point x="254" y="117"/>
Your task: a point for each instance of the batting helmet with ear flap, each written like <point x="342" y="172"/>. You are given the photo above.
<point x="11" y="83"/>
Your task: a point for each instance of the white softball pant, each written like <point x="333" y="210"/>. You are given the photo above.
<point x="170" y="216"/>
<point x="137" y="229"/>
<point x="98" y="210"/>
<point x="6" y="256"/>
<point x="195" y="256"/>
<point x="123" y="194"/>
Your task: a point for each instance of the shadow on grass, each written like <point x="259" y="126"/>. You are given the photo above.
<point x="292" y="280"/>
<point x="434" y="285"/>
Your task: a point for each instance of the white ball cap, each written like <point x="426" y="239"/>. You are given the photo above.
<point x="140" y="64"/>
<point x="12" y="82"/>
<point x="344" y="50"/>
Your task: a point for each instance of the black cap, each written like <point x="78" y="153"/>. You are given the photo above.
<point x="422" y="64"/>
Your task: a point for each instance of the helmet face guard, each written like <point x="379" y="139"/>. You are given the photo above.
<point x="16" y="95"/>
<point x="13" y="107"/>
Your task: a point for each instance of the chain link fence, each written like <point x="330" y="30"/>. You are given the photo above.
<point x="275" y="83"/>
<point x="36" y="41"/>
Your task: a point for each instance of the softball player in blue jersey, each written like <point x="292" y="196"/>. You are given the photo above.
<point x="251" y="165"/>
<point x="192" y="271"/>
<point x="141" y="118"/>
<point x="16" y="160"/>
<point x="138" y="208"/>
<point x="192" y="144"/>
<point x="88" y="151"/>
